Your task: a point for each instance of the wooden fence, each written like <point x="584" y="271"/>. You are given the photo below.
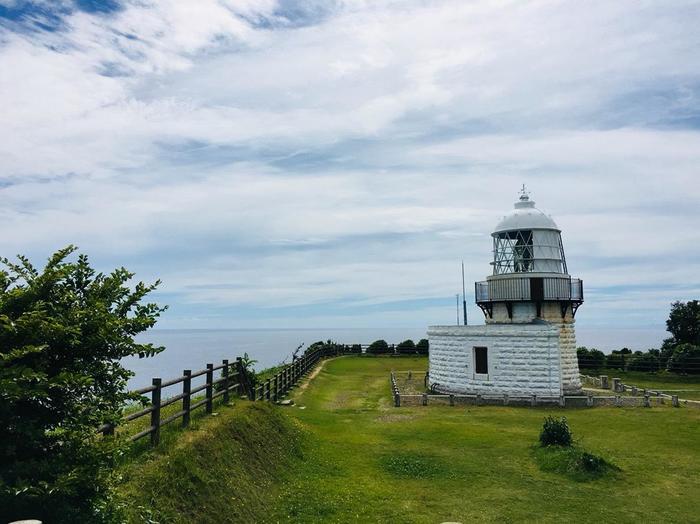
<point x="234" y="379"/>
<point x="277" y="385"/>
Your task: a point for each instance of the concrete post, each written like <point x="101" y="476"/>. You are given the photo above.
<point x="647" y="404"/>
<point x="618" y="401"/>
<point x="562" y="401"/>
<point x="604" y="382"/>
<point x="616" y="385"/>
<point x="589" y="401"/>
<point x="674" y="401"/>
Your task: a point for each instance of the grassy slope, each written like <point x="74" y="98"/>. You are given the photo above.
<point x="369" y="462"/>
<point x="226" y="468"/>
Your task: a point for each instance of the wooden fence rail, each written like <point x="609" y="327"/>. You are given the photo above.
<point x="233" y="378"/>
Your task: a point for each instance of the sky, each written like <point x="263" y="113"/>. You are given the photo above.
<point x="330" y="163"/>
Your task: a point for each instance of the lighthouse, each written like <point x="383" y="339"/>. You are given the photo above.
<point x="527" y="345"/>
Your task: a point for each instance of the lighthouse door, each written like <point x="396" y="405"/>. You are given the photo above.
<point x="537" y="289"/>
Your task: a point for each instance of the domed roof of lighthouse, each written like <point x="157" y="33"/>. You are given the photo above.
<point x="525" y="216"/>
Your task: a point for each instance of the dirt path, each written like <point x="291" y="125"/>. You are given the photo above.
<point x="313" y="375"/>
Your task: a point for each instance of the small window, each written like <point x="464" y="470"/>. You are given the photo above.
<point x="481" y="361"/>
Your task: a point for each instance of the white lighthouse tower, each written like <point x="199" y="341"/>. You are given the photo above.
<point x="528" y="345"/>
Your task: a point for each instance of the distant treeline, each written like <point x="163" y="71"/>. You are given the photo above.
<point x="378" y="347"/>
<point x="682" y="359"/>
<point x="679" y="354"/>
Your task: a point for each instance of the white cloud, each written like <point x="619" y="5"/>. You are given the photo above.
<point x="360" y="156"/>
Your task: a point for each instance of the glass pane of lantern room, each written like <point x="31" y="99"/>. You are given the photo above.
<point x="522" y="252"/>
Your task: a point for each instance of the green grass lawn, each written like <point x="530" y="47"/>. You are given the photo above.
<point x="366" y="461"/>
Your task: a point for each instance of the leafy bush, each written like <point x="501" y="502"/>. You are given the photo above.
<point x="645" y="361"/>
<point x="356" y="348"/>
<point x="423" y="346"/>
<point x="575" y="463"/>
<point x="685" y="359"/>
<point x="589" y="463"/>
<point x="378" y="347"/>
<point x="555" y="432"/>
<point x="617" y="360"/>
<point x="63" y="333"/>
<point x="590" y="358"/>
<point x="406" y="347"/>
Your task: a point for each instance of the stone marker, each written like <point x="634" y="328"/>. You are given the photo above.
<point x="604" y="382"/>
<point x="616" y="385"/>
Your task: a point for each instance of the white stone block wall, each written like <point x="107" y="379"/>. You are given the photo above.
<point x="523" y="359"/>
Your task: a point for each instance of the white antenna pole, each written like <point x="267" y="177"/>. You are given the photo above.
<point x="464" y="296"/>
<point x="457" y="298"/>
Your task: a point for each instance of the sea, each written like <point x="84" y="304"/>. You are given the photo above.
<point x="194" y="348"/>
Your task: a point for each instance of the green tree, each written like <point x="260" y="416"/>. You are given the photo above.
<point x="590" y="358"/>
<point x="378" y="347"/>
<point x="63" y="333"/>
<point x="648" y="361"/>
<point x="423" y="346"/>
<point x="618" y="359"/>
<point x="684" y="322"/>
<point x="407" y="347"/>
<point x="685" y="359"/>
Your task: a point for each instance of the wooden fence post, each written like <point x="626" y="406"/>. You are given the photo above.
<point x="533" y="401"/>
<point x="225" y="373"/>
<point x="267" y="383"/>
<point x="277" y="387"/>
<point x="155" y="414"/>
<point x="505" y="399"/>
<point x="243" y="388"/>
<point x="674" y="401"/>
<point x="210" y="388"/>
<point x="186" y="388"/>
<point x="452" y="400"/>
<point x="647" y="403"/>
<point x="616" y="385"/>
<point x="478" y="399"/>
<point x="425" y="399"/>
